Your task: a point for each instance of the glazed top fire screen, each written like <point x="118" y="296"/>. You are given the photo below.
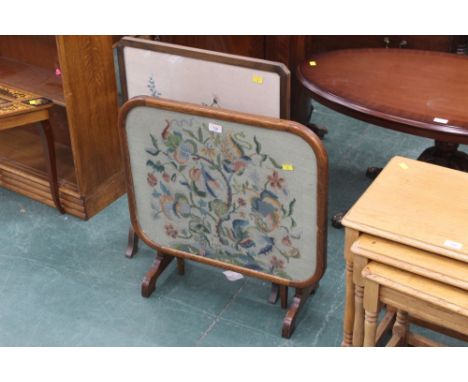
<point x="229" y="189"/>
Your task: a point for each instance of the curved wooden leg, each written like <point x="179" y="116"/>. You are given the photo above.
<point x="47" y="138"/>
<point x="160" y="263"/>
<point x="298" y="302"/>
<point x="274" y="294"/>
<point x="132" y="246"/>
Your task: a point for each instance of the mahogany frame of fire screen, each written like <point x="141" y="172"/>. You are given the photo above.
<point x="254" y="234"/>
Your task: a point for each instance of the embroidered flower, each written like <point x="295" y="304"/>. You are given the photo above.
<point x="183" y="151"/>
<point x="208" y="151"/>
<point x="286" y="241"/>
<point x="275" y="180"/>
<point x="239" y="165"/>
<point x="152" y="180"/>
<point x="266" y="209"/>
<point x="276" y="263"/>
<point x="166" y="177"/>
<point x="294" y="253"/>
<point x="195" y="174"/>
<point x="171" y="231"/>
<point x="241" y="202"/>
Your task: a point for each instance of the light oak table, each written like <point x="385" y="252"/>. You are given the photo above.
<point x="431" y="266"/>
<point x="412" y="203"/>
<point x="433" y="301"/>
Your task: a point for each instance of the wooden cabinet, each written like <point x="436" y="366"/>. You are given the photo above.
<point x="77" y="73"/>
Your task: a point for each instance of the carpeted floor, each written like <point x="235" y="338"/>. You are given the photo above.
<point x="66" y="282"/>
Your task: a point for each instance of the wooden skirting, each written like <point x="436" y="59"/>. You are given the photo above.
<point x="36" y="187"/>
<point x="32" y="184"/>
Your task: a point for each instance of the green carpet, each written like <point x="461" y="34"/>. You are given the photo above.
<point x="66" y="282"/>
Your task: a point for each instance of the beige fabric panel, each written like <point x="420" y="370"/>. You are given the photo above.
<point x="202" y="82"/>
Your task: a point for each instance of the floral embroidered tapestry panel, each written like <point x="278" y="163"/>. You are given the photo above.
<point x="240" y="194"/>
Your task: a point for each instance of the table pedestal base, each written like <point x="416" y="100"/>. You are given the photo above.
<point x="446" y="154"/>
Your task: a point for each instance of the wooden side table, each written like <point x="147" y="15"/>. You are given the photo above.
<point x="431" y="266"/>
<point x="413" y="203"/>
<point x="19" y="108"/>
<point x="436" y="302"/>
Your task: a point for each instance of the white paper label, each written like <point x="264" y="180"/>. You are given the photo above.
<point x="453" y="244"/>
<point x="440" y="120"/>
<point x="233" y="276"/>
<point x="215" y="128"/>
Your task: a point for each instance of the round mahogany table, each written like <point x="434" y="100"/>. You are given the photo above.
<point x="416" y="92"/>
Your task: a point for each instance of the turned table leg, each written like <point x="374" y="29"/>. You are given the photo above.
<point x="371" y="309"/>
<point x="358" y="329"/>
<point x="359" y="262"/>
<point x="400" y="329"/>
<point x="370" y="328"/>
<point x="348" y="317"/>
<point x="47" y="139"/>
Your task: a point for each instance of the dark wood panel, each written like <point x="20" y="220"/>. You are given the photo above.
<point x="34" y="50"/>
<point x="317" y="44"/>
<point x="251" y="46"/>
<point x="290" y="50"/>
